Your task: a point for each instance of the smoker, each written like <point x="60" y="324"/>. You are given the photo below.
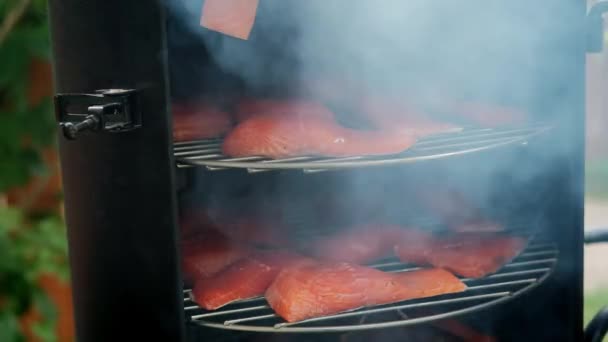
<point x="120" y="64"/>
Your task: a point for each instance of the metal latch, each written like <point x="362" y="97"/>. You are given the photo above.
<point x="595" y="26"/>
<point x="108" y="110"/>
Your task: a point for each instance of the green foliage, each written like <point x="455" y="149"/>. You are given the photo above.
<point x="29" y="246"/>
<point x="28" y="249"/>
<point x="27" y="40"/>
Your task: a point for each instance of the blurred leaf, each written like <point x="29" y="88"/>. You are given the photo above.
<point x="27" y="251"/>
<point x="45" y="328"/>
<point x="10" y="218"/>
<point x="18" y="173"/>
<point x="40" y="123"/>
<point x="14" y="283"/>
<point x="39" y="7"/>
<point x="14" y="57"/>
<point x="29" y="246"/>
<point x="9" y="328"/>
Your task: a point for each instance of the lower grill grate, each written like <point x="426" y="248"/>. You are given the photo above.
<point x="523" y="273"/>
<point x="207" y="153"/>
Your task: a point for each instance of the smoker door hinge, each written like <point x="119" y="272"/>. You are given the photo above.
<point x="108" y="110"/>
<point x="595" y="26"/>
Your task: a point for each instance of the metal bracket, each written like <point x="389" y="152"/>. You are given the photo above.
<point x="108" y="110"/>
<point x="595" y="26"/>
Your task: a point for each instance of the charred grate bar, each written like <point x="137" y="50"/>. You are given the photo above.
<point x="523" y="273"/>
<point x="208" y="154"/>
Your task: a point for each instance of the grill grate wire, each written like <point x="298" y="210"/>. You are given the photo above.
<point x="208" y="154"/>
<point x="523" y="273"/>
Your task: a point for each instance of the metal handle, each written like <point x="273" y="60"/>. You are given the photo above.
<point x="71" y="130"/>
<point x="92" y="122"/>
<point x="596" y="236"/>
<point x="110" y="110"/>
<point x="597" y="328"/>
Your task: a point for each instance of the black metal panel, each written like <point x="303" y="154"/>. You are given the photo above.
<point x="119" y="188"/>
<point x="568" y="214"/>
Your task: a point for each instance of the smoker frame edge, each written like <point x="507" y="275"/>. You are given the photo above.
<point x="119" y="188"/>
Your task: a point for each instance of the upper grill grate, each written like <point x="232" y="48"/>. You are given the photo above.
<point x="207" y="153"/>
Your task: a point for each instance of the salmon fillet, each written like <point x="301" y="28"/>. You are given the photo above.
<point x="358" y="245"/>
<point x="247" y="278"/>
<point x="248" y="108"/>
<point x="199" y="121"/>
<point x="468" y="255"/>
<point x="307" y="128"/>
<point x="310" y="290"/>
<point x="231" y="17"/>
<point x="380" y="111"/>
<point x="207" y="254"/>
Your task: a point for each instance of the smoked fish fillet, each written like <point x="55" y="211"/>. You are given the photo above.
<point x="310" y="290"/>
<point x="470" y="255"/>
<point x="308" y="129"/>
<point x="206" y="254"/>
<point x="247" y="278"/>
